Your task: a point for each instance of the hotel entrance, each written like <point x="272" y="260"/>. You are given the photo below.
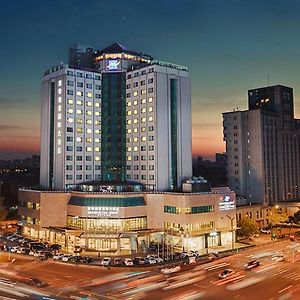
<point x="213" y="239"/>
<point x="102" y="244"/>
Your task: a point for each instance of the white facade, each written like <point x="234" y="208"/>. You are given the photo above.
<point x="151" y="152"/>
<point x="70" y="127"/>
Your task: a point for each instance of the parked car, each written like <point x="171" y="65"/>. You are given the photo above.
<point x="266" y="231"/>
<point x="14" y="249"/>
<point x="127" y="261"/>
<point x="139" y="261"/>
<point x="194" y="253"/>
<point x="55" y="247"/>
<point x="150" y="261"/>
<point x="88" y="259"/>
<point x="251" y="264"/>
<point x="58" y="256"/>
<point x="66" y="257"/>
<point x="106" y="261"/>
<point x="117" y="261"/>
<point x="226" y="273"/>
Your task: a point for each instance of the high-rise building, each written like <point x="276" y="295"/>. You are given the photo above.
<point x="263" y="147"/>
<point x="81" y="57"/>
<point x="127" y="118"/>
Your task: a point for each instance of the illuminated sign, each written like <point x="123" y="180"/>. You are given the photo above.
<point x="226" y="203"/>
<point x="113" y="65"/>
<point x="103" y="212"/>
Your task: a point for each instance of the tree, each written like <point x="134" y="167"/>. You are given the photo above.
<point x="247" y="227"/>
<point x="295" y="218"/>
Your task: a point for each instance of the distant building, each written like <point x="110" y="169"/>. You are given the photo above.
<point x="81" y="57"/>
<point x="263" y="147"/>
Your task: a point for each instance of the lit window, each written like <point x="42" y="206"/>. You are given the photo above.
<point x="135" y="102"/>
<point x="135" y="149"/>
<point x="135" y="93"/>
<point x="143" y="129"/>
<point x="150" y="100"/>
<point x="79" y="102"/>
<point x="129" y="130"/>
<point x="69" y="111"/>
<point x="59" y="91"/>
<point x="97" y="158"/>
<point x="97" y="113"/>
<point x="89" y="103"/>
<point x="79" y="121"/>
<point x="135" y="121"/>
<point x="128" y="103"/>
<point x="79" y="139"/>
<point x="135" y="112"/>
<point x="59" y="99"/>
<point x="97" y="140"/>
<point x="79" y="112"/>
<point x="97" y="104"/>
<point x="150" y="119"/>
<point x="88" y="149"/>
<point x="135" y="139"/>
<point x="128" y="157"/>
<point x="88" y="122"/>
<point x="150" y="108"/>
<point x="128" y="122"/>
<point x="143" y="92"/>
<point x="70" y="101"/>
<point x="143" y="139"/>
<point x="97" y="122"/>
<point x="88" y="140"/>
<point x="143" y="101"/>
<point x="97" y="131"/>
<point x="59" y="116"/>
<point x="143" y="120"/>
<point x="128" y="149"/>
<point x="89" y="95"/>
<point x="79" y="130"/>
<point x="79" y="93"/>
<point x="97" y="149"/>
<point x="59" y="82"/>
<point x="89" y="130"/>
<point x="135" y="130"/>
<point x="129" y="113"/>
<point x="69" y="120"/>
<point x="143" y="110"/>
<point x="88" y="112"/>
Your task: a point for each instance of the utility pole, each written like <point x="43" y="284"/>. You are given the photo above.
<point x="232" y="230"/>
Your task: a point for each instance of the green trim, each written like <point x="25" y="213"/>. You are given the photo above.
<point x="107" y="201"/>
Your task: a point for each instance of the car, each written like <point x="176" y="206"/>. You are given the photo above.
<point x="150" y="261"/>
<point x="14" y="249"/>
<point x="170" y="270"/>
<point x="106" y="261"/>
<point x="58" y="256"/>
<point x="194" y="253"/>
<point x="139" y="261"/>
<point x="117" y="262"/>
<point x="226" y="273"/>
<point x="155" y="257"/>
<point x="278" y="257"/>
<point x="266" y="231"/>
<point x="87" y="259"/>
<point x="74" y="259"/>
<point x="78" y="249"/>
<point x="184" y="254"/>
<point x="127" y="261"/>
<point x="55" y="247"/>
<point x="31" y="252"/>
<point x="66" y="257"/>
<point x="251" y="264"/>
<point x="36" y="282"/>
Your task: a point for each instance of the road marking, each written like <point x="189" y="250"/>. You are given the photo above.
<point x="286" y="288"/>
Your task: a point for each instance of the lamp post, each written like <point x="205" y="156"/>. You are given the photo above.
<point x="271" y="221"/>
<point x="232" y="230"/>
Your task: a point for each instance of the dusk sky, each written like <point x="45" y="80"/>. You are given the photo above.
<point x="230" y="46"/>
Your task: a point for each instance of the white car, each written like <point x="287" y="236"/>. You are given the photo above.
<point x="106" y="261"/>
<point x="66" y="257"/>
<point x="14" y="249"/>
<point x="31" y="252"/>
<point x="194" y="253"/>
<point x="278" y="258"/>
<point x="151" y="261"/>
<point x="58" y="256"/>
<point x="128" y="262"/>
<point x="170" y="270"/>
<point x="266" y="231"/>
<point x="226" y="273"/>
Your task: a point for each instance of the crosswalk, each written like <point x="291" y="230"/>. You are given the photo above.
<point x="284" y="273"/>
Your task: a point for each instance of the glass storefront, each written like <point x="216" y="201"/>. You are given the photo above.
<point x="115" y="225"/>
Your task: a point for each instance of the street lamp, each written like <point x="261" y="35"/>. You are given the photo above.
<point x="232" y="230"/>
<point x="271" y="221"/>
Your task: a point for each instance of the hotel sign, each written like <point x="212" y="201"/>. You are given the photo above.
<point x="103" y="212"/>
<point x="113" y="65"/>
<point x="226" y="203"/>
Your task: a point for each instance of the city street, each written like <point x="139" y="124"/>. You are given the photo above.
<point x="271" y="280"/>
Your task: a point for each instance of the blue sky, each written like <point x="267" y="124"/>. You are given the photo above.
<point x="230" y="46"/>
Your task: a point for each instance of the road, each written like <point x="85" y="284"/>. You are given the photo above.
<point x="271" y="280"/>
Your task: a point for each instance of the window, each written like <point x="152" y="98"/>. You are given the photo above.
<point x="88" y="122"/>
<point x="144" y="167"/>
<point x="143" y="110"/>
<point x="88" y="112"/>
<point x="143" y="139"/>
<point x="143" y="101"/>
<point x="150" y="119"/>
<point x="128" y="95"/>
<point x="97" y="87"/>
<point x="70" y="82"/>
<point x="79" y="148"/>
<point x="151" y="148"/>
<point x="143" y="177"/>
<point x="151" y="157"/>
<point x="79" y="84"/>
<point x="69" y="129"/>
<point x="150" y="108"/>
<point x="135" y="93"/>
<point x="143" y="82"/>
<point x="151" y="128"/>
<point x="69" y="157"/>
<point x="79" y="93"/>
<point x="135" y="102"/>
<point x="78" y="177"/>
<point x="79" y="111"/>
<point x="151" y="177"/>
<point x="151" y="138"/>
<point x="97" y="96"/>
<point x="69" y="167"/>
<point x="79" y="102"/>
<point x="136" y="158"/>
<point x="70" y="92"/>
<point x="151" y="167"/>
<point x="69" y="148"/>
<point x="129" y="76"/>
<point x="97" y="77"/>
<point x="88" y="167"/>
<point x="79" y="158"/>
<point x="70" y="101"/>
<point x="69" y="139"/>
<point x="150" y="100"/>
<point x="89" y="86"/>
<point x="89" y="76"/>
<point x="128" y="168"/>
<point x="79" y="121"/>
<point x="128" y="86"/>
<point x="150" y="90"/>
<point x="129" y="103"/>
<point x="88" y="149"/>
<point x="70" y="73"/>
<point x="89" y="95"/>
<point x="89" y="103"/>
<point x="143" y="72"/>
<point x="79" y="130"/>
<point x="97" y="167"/>
<point x="88" y="158"/>
<point x="136" y="177"/>
<point x="79" y="74"/>
<point x="88" y="130"/>
<point x="88" y="176"/>
<point x="135" y="167"/>
<point x="79" y="139"/>
<point x="143" y="92"/>
<point x="135" y="84"/>
<point x="151" y="70"/>
<point x="69" y="120"/>
<point x="70" y="110"/>
<point x="150" y="80"/>
<point x="69" y="177"/>
<point x="78" y="167"/>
